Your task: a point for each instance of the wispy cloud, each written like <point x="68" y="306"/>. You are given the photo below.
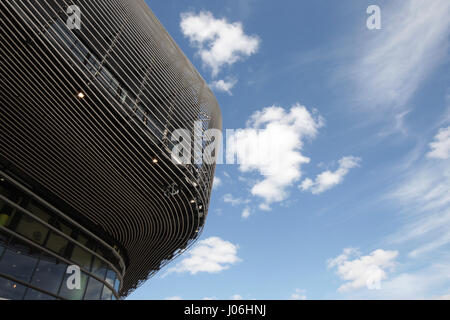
<point x="440" y="148"/>
<point x="228" y="198"/>
<point x="398" y="58"/>
<point x="218" y="41"/>
<point x="328" y="179"/>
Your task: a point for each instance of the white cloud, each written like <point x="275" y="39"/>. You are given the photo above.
<point x="224" y="85"/>
<point x="236" y="297"/>
<point x="328" y="179"/>
<point x="424" y="196"/>
<point x="174" y="298"/>
<point x="228" y="198"/>
<point x="246" y="213"/>
<point x="394" y="62"/>
<point x="444" y="297"/>
<point x="440" y="148"/>
<point x="299" y="295"/>
<point x="218" y="42"/>
<point x="364" y="271"/>
<point x="211" y="255"/>
<point x="217" y="182"/>
<point x="209" y="298"/>
<point x="422" y="283"/>
<point x="271" y="145"/>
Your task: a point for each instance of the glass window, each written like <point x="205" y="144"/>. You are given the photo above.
<point x="39" y="211"/>
<point x="107" y="293"/>
<point x="99" y="268"/>
<point x="4" y="238"/>
<point x="82" y="258"/>
<point x="73" y="294"/>
<point x="5" y="213"/>
<point x="94" y="290"/>
<point x="49" y="274"/>
<point x="117" y="285"/>
<point x="57" y="244"/>
<point x="31" y="229"/>
<point x="17" y="264"/>
<point x="37" y="295"/>
<point x="110" y="277"/>
<point x="11" y="290"/>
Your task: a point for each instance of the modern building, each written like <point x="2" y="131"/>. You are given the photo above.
<point x="86" y="175"/>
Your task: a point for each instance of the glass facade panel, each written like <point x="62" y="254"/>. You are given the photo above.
<point x="111" y="278"/>
<point x="82" y="258"/>
<point x="94" y="290"/>
<point x="17" y="265"/>
<point x="58" y="244"/>
<point x="99" y="268"/>
<point x="73" y="294"/>
<point x="107" y="294"/>
<point x="11" y="290"/>
<point x="37" y="295"/>
<point x="49" y="274"/>
<point x="39" y="211"/>
<point x="31" y="229"/>
<point x="5" y="213"/>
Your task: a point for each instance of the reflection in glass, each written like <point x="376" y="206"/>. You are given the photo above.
<point x="57" y="244"/>
<point x="99" y="268"/>
<point x="36" y="295"/>
<point x="107" y="294"/>
<point x="49" y="274"/>
<point x="11" y="290"/>
<point x="82" y="258"/>
<point x="31" y="229"/>
<point x="93" y="290"/>
<point x="110" y="277"/>
<point x="73" y="294"/>
<point x="17" y="265"/>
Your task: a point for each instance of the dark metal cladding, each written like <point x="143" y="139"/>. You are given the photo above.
<point x="88" y="114"/>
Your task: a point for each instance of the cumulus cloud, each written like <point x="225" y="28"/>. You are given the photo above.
<point x="328" y="179"/>
<point x="224" y="85"/>
<point x="440" y="148"/>
<point x="174" y="298"/>
<point x="246" y="213"/>
<point x="218" y="41"/>
<point x="271" y="145"/>
<point x="299" y="295"/>
<point x="217" y="182"/>
<point x="364" y="271"/>
<point x="211" y="255"/>
<point x="236" y="297"/>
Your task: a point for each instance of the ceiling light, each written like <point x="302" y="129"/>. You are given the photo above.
<point x="155" y="160"/>
<point x="192" y="201"/>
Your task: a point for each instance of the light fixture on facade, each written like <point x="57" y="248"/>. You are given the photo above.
<point x="155" y="160"/>
<point x="192" y="201"/>
<point x="81" y="95"/>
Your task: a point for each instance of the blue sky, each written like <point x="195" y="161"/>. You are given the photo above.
<point x="361" y="207"/>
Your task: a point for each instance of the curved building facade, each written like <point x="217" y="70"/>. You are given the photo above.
<point x="91" y="202"/>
